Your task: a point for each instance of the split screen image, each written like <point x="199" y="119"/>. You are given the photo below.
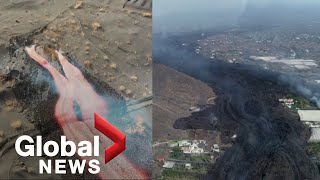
<point x="160" y="89"/>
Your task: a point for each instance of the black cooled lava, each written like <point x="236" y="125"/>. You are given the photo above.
<point x="270" y="141"/>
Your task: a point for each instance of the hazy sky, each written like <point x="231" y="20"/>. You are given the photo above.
<point x="162" y="7"/>
<point x="181" y="14"/>
<point x="187" y="15"/>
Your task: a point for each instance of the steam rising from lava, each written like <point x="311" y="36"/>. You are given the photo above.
<point x="171" y="53"/>
<point x="310" y="91"/>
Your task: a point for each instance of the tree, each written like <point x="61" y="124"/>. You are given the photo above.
<point x="176" y="153"/>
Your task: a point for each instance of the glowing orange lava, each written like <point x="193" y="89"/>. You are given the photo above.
<point x="71" y="88"/>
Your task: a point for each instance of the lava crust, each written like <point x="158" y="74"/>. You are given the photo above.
<point x="270" y="141"/>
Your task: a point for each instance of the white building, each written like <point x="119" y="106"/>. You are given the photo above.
<point x="312" y="119"/>
<point x="173" y="144"/>
<point x="188" y="165"/>
<point x="287" y="102"/>
<point x="309" y="115"/>
<point x="192" y="147"/>
<point x="216" y="148"/>
<point x="187" y="150"/>
<point x="315" y="136"/>
<point x="168" y="164"/>
<point x="297" y="63"/>
<point x="194" y="109"/>
<point x="184" y="143"/>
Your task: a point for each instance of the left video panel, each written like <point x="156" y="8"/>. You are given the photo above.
<point x="75" y="89"/>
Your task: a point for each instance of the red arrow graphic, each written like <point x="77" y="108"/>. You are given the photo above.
<point x="114" y="134"/>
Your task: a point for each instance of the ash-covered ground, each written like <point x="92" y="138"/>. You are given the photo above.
<point x="271" y="141"/>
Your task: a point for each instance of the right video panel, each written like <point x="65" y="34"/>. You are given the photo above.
<point x="236" y="87"/>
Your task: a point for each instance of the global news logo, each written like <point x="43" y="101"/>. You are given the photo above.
<point x="25" y="146"/>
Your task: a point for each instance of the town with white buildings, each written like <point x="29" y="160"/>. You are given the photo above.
<point x="188" y="156"/>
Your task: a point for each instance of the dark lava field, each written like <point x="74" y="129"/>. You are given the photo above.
<point x="271" y="141"/>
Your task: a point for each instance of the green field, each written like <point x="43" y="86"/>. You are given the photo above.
<point x="300" y="102"/>
<point x="314" y="148"/>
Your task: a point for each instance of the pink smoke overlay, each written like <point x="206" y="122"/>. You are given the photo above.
<point x="73" y="87"/>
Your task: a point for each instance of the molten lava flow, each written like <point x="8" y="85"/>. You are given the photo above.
<point x="74" y="88"/>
